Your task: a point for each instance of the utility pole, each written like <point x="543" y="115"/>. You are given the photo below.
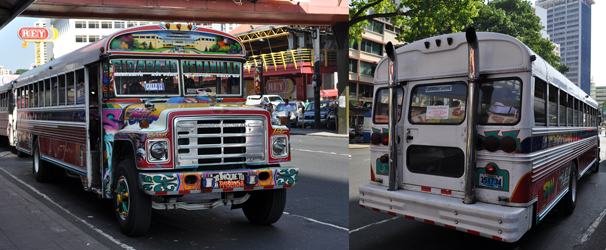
<point x="317" y="77"/>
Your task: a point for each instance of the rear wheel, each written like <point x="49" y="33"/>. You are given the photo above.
<point x="132" y="207"/>
<point x="596" y="166"/>
<point x="265" y="207"/>
<point x="21" y="154"/>
<point x="570" y="199"/>
<point x="40" y="168"/>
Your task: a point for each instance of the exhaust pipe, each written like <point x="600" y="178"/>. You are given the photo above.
<point x="392" y="75"/>
<point x="473" y="76"/>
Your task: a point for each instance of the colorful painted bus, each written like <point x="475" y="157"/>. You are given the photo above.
<point x="151" y="114"/>
<point x="487" y="139"/>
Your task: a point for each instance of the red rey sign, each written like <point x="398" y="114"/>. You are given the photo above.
<point x="36" y="33"/>
<point x="279" y="86"/>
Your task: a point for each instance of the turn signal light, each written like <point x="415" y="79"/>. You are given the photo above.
<point x="144" y="123"/>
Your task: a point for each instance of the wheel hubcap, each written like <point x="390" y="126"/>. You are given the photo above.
<point x="122" y="198"/>
<point x="574" y="186"/>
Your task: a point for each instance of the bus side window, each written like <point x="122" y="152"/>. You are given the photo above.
<point x="553" y="105"/>
<point x="71" y="89"/>
<point x="62" y="90"/>
<point x="47" y="92"/>
<point x="54" y="91"/>
<point x="539" y="101"/>
<point x="576" y="113"/>
<point x="569" y="110"/>
<point x="80" y="95"/>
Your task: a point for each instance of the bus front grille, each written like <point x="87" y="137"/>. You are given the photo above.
<point x="225" y="140"/>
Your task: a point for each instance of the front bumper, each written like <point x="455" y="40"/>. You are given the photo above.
<point x="497" y="222"/>
<point x="175" y="183"/>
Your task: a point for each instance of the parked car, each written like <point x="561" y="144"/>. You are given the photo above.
<point x="295" y="107"/>
<point x="255" y="100"/>
<point x="325" y="107"/>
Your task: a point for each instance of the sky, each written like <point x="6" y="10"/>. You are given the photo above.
<point x="13" y="56"/>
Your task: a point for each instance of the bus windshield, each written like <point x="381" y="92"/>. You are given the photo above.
<point x="146" y="77"/>
<point x="220" y="77"/>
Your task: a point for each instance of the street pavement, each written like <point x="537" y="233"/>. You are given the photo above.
<point x="60" y="215"/>
<point x="26" y="223"/>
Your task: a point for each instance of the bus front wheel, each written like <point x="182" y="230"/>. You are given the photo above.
<point x="570" y="199"/>
<point x="132" y="207"/>
<point x="265" y="207"/>
<point x="40" y="168"/>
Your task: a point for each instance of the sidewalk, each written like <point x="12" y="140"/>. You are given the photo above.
<point x="26" y="223"/>
<point x="317" y="132"/>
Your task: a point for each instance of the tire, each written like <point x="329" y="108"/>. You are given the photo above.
<point x="265" y="207"/>
<point x="132" y="207"/>
<point x="570" y="199"/>
<point x="596" y="166"/>
<point x="40" y="168"/>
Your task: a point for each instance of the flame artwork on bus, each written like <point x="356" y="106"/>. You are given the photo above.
<point x="148" y="115"/>
<point x="485" y="127"/>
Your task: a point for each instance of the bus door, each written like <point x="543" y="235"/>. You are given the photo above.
<point x="94" y="125"/>
<point x="435" y="136"/>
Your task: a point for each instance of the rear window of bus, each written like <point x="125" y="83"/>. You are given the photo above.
<point x="442" y="103"/>
<point x="381" y="111"/>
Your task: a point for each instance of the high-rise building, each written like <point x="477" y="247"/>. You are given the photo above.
<point x="5" y="71"/>
<point x="43" y="50"/>
<point x="569" y="24"/>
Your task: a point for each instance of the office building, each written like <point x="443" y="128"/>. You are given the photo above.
<point x="569" y="24"/>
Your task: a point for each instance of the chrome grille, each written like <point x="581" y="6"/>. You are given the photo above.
<point x="219" y="140"/>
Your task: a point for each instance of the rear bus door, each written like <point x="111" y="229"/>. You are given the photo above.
<point x="435" y="136"/>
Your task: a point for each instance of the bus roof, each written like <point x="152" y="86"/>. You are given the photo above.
<point x="499" y="53"/>
<point x="6" y="87"/>
<point x="147" y="40"/>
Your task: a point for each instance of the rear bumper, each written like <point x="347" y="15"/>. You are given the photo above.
<point x="169" y="183"/>
<point x="497" y="222"/>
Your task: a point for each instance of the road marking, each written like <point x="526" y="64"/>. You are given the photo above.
<point x="372" y="224"/>
<point x="65" y="210"/>
<point x="317" y="221"/>
<point x="313" y="151"/>
<point x="591" y="228"/>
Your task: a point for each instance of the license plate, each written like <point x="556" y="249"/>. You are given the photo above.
<point x="492" y="181"/>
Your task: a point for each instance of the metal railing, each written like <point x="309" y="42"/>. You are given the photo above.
<point x="283" y="58"/>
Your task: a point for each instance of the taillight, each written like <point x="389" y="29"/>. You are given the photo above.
<point x="375" y="138"/>
<point x="508" y="144"/>
<point x="491" y="143"/>
<point x="490" y="168"/>
<point x="384" y="158"/>
<point x="385" y="139"/>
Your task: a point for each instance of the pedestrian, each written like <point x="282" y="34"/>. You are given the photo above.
<point x="306" y="103"/>
<point x="287" y="112"/>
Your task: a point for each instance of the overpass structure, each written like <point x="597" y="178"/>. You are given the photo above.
<point x="300" y="12"/>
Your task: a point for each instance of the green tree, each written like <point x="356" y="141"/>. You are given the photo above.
<point x="418" y="18"/>
<point x="21" y="71"/>
<point x="516" y="18"/>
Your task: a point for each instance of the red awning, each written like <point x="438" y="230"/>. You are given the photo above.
<point x="329" y="92"/>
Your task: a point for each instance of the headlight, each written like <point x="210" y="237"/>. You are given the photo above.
<point x="279" y="146"/>
<point x="158" y="151"/>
